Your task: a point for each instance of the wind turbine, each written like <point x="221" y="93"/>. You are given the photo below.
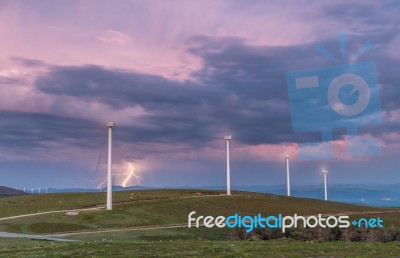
<point x="325" y="172"/>
<point x="110" y="125"/>
<point x="228" y="171"/>
<point x="287" y="176"/>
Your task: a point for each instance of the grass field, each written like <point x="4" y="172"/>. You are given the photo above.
<point x="196" y="248"/>
<point x="146" y="208"/>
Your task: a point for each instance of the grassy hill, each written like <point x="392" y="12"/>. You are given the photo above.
<point x="135" y="212"/>
<point x="7" y="192"/>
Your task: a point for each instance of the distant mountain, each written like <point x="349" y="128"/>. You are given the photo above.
<point x="91" y="190"/>
<point x="8" y="192"/>
<point x="366" y="194"/>
<point x="373" y="195"/>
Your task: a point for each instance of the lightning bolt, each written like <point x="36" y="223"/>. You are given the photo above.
<point x="102" y="182"/>
<point x="130" y="173"/>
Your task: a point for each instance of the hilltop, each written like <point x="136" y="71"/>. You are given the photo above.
<point x="7" y="192"/>
<point x="142" y="217"/>
<point x="155" y="207"/>
<point x="387" y="195"/>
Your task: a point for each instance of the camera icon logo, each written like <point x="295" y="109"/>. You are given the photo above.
<point x="341" y="96"/>
<point x="359" y="85"/>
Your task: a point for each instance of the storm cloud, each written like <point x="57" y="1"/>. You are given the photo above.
<point x="177" y="84"/>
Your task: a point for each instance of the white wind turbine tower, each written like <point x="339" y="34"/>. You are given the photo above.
<point x="228" y="171"/>
<point x="325" y="172"/>
<point x="110" y="125"/>
<point x="287" y="176"/>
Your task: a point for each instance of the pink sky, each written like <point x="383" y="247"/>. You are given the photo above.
<point x="154" y="38"/>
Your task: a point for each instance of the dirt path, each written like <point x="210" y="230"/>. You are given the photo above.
<point x="38" y="237"/>
<point x="99" y="207"/>
<point x="49" y="212"/>
<point x="139" y="228"/>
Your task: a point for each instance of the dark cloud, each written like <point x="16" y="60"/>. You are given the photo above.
<point x="241" y="89"/>
<point x="27" y="62"/>
<point x="178" y="111"/>
<point x="14" y="81"/>
<point x="119" y="88"/>
<point x="240" y="95"/>
<point x="21" y="130"/>
<point x="355" y="12"/>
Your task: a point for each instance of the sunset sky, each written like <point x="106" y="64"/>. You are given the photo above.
<point x="176" y="76"/>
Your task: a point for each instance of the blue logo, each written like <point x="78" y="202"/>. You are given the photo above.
<point x="340" y="96"/>
<point x="368" y="223"/>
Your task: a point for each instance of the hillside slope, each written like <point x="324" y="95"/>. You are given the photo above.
<point x="7" y="192"/>
<point x="157" y="208"/>
<point x="153" y="223"/>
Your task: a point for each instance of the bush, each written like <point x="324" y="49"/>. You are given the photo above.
<point x="350" y="234"/>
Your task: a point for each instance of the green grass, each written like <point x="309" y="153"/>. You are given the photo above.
<point x="19" y="205"/>
<point x="201" y="233"/>
<point x="195" y="248"/>
<point x="156" y="207"/>
<point x="165" y="207"/>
